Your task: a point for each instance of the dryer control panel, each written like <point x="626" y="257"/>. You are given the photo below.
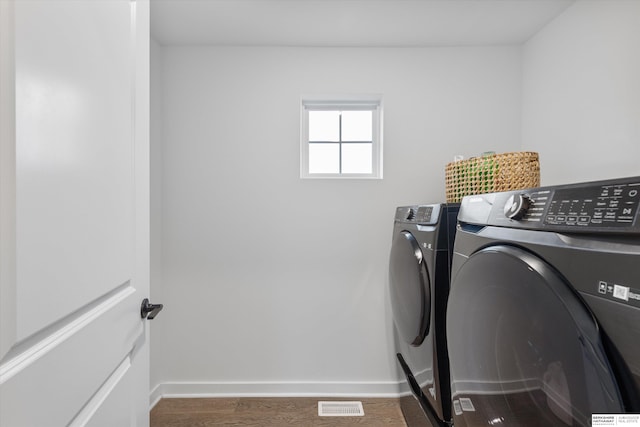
<point x="418" y="214"/>
<point x="612" y="206"/>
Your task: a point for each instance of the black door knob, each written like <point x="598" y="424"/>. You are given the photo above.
<point x="148" y="310"/>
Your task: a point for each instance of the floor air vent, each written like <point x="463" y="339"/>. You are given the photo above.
<point x="340" y="409"/>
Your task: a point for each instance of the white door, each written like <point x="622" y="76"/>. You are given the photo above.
<point x="74" y="212"/>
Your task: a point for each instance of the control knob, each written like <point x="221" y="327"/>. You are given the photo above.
<point x="516" y="206"/>
<point x="411" y="215"/>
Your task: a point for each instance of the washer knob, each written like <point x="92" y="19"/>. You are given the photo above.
<point x="516" y="206"/>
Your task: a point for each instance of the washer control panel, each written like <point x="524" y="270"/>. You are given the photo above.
<point x="612" y="205"/>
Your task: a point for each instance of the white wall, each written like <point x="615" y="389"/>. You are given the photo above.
<point x="581" y="93"/>
<point x="156" y="137"/>
<point x="274" y="284"/>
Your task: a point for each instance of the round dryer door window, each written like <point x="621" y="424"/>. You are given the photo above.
<point x="523" y="349"/>
<point x="409" y="289"/>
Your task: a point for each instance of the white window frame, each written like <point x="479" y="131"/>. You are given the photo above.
<point x="371" y="103"/>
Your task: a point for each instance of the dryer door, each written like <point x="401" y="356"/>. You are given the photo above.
<point x="524" y="350"/>
<point x="409" y="289"/>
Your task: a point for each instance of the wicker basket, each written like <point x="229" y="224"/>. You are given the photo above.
<point x="492" y="173"/>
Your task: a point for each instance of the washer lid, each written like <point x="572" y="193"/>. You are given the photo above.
<point x="410" y="289"/>
<point x="523" y="346"/>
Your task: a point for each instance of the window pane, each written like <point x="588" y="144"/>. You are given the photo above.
<point x="324" y="158"/>
<point x="356" y="158"/>
<point x="324" y="125"/>
<point x="357" y="126"/>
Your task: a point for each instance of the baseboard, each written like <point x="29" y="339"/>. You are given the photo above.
<point x="278" y="389"/>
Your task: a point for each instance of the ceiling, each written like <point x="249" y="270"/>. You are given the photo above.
<point x="362" y="23"/>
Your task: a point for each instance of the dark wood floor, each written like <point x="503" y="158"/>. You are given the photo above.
<point x="269" y="412"/>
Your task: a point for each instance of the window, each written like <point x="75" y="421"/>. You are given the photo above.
<point x="341" y="139"/>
